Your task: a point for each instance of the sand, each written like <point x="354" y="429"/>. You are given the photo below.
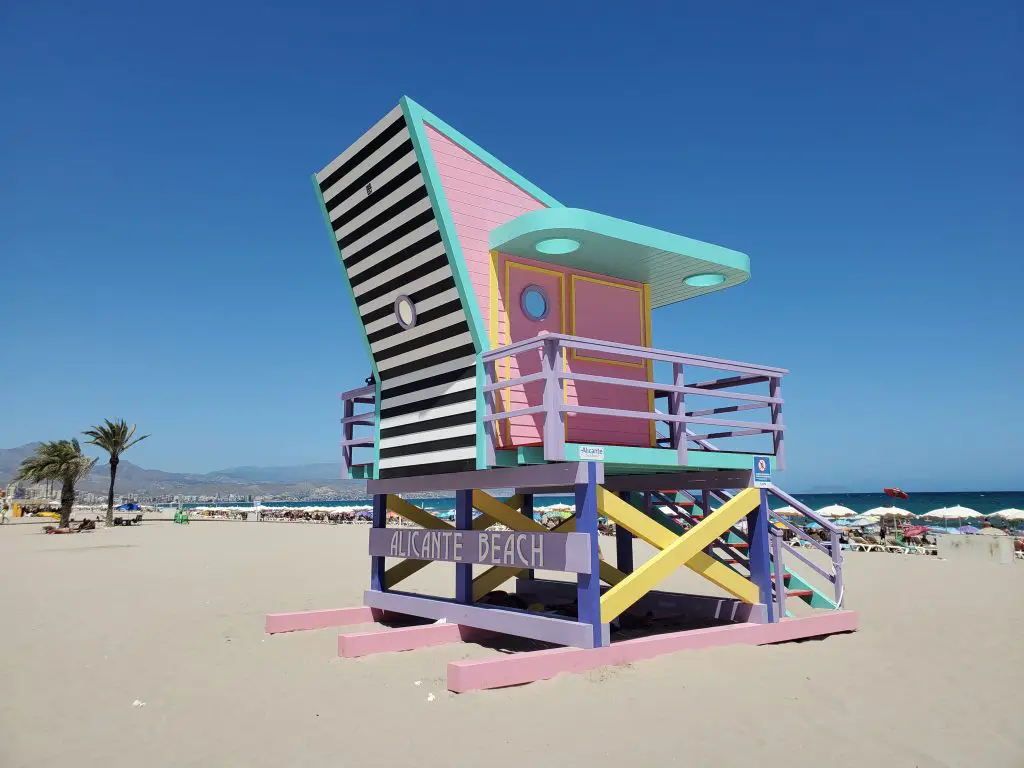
<point x="173" y="616"/>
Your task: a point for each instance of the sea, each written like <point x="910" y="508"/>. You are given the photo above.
<point x="984" y="502"/>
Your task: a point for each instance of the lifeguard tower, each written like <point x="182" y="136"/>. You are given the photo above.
<point x="510" y="343"/>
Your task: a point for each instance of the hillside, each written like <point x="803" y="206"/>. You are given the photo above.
<point x="257" y="481"/>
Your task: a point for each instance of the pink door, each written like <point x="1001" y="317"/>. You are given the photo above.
<point x="609" y="310"/>
<point x="533" y="299"/>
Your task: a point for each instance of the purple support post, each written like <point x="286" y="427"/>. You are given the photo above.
<point x="759" y="554"/>
<point x="778" y="572"/>
<point x="624" y="541"/>
<point x="527" y="511"/>
<point x="554" y="417"/>
<point x="588" y="585"/>
<point x="677" y="407"/>
<point x="380" y="520"/>
<point x="778" y="437"/>
<point x="464" y="522"/>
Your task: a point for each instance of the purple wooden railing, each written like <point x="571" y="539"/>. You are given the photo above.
<point x="350" y="420"/>
<point x="552" y="349"/>
<point x="833" y="548"/>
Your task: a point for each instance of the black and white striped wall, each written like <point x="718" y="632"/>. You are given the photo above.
<point x="390" y="243"/>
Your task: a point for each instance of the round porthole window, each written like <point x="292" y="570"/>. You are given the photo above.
<point x="534" y="302"/>
<point x="405" y="312"/>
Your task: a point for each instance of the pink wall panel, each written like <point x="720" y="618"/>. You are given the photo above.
<point x="479" y="199"/>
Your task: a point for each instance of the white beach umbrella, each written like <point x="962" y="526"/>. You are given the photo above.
<point x="787" y="512"/>
<point x="953" y="513"/>
<point x="836" y="510"/>
<point x="887" y="512"/>
<point x="1009" y="514"/>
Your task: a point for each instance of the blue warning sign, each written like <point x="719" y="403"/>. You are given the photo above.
<point x="762" y="472"/>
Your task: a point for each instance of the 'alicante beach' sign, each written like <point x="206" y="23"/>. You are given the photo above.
<point x="544" y="551"/>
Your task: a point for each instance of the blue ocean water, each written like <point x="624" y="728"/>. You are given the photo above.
<point x="984" y="502"/>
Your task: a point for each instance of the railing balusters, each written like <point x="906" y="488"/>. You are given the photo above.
<point x="779" y="572"/>
<point x="778" y="437"/>
<point x="552" y="348"/>
<point x="837" y="567"/>
<point x="554" y="431"/>
<point x="490" y="409"/>
<point x="349" y="400"/>
<point x="348" y="411"/>
<point x="558" y="398"/>
<point x="677" y="407"/>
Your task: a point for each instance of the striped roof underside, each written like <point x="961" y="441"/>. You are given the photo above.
<point x="390" y="244"/>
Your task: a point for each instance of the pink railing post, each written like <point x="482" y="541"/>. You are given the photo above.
<point x="778" y="436"/>
<point x="677" y="408"/>
<point x="554" y="416"/>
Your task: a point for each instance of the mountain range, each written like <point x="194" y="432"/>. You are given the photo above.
<point x="298" y="480"/>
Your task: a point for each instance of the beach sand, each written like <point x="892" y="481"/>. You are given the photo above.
<point x="173" y="616"/>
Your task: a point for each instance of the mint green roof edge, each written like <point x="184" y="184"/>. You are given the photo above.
<point x="483" y="155"/>
<point x="414" y="115"/>
<point x="609" y="226"/>
<point x="344" y="277"/>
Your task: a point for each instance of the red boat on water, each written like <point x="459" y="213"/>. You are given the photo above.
<point x="896" y="493"/>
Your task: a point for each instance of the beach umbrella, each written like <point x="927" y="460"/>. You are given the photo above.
<point x="1010" y="514"/>
<point x="953" y="513"/>
<point x="896" y="493"/>
<point x="882" y="512"/>
<point x="787" y="512"/>
<point x="968" y="529"/>
<point x="836" y="510"/>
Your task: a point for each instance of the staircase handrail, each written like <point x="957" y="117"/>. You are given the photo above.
<point x="803" y="509"/>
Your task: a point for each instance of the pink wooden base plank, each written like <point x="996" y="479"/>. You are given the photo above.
<point x="402" y="639"/>
<point x="520" y="668"/>
<point x="330" y="617"/>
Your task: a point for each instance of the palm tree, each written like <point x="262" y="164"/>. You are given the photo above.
<point x="114" y="437"/>
<point x="62" y="461"/>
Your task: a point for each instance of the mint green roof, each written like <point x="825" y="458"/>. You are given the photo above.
<point x="617" y="248"/>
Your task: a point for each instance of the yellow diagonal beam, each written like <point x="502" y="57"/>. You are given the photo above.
<point x="497" y="575"/>
<point x="660" y="537"/>
<point x="505" y="514"/>
<point x="421" y="517"/>
<point x="633" y="520"/>
<point x="411" y="512"/>
<point x="415" y="514"/>
<point x="678" y="553"/>
<point x="518" y="522"/>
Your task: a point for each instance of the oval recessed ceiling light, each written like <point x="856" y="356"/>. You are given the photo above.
<point x="556" y="246"/>
<point x="705" y="280"/>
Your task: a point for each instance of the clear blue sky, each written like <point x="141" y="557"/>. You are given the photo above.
<point x="163" y="256"/>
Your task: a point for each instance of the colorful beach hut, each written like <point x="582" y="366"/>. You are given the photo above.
<point x="510" y="341"/>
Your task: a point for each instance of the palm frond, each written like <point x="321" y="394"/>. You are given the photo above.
<point x="58" y="460"/>
<point x="114" y="437"/>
